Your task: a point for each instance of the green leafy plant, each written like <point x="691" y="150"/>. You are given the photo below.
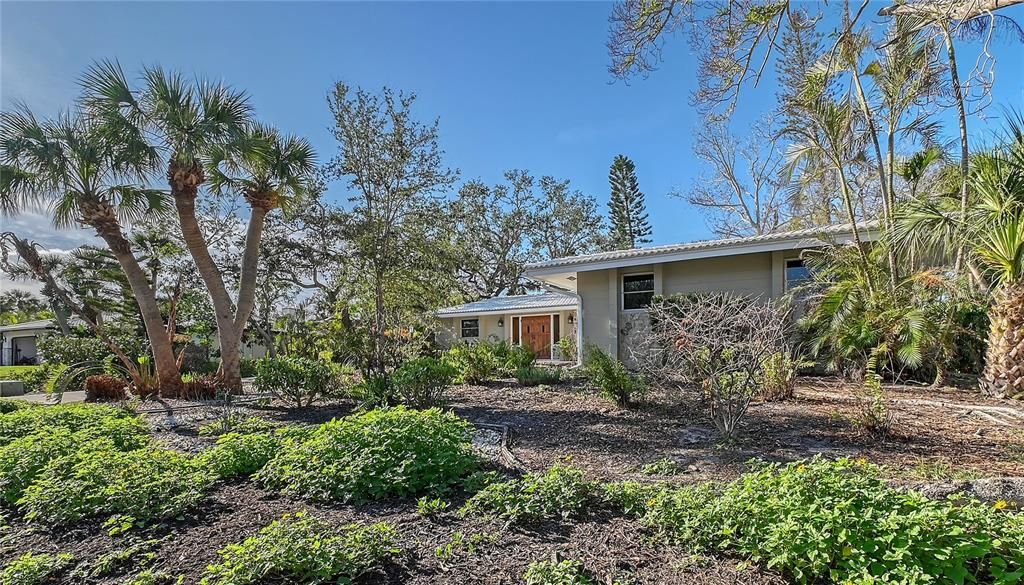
<point x="519" y="357"/>
<point x="296" y="380"/>
<point x="535" y="376"/>
<point x="238" y="454"/>
<point x="475" y="363"/>
<point x="376" y="391"/>
<point x="664" y="466"/>
<point x="385" y="452"/>
<point x="561" y="492"/>
<point x="461" y="543"/>
<point x="133" y="556"/>
<point x="564" y="572"/>
<point x="73" y="417"/>
<point x="629" y="497"/>
<point x="151" y="577"/>
<point x="421" y="382"/>
<point x="35" y="569"/>
<point x="299" y="548"/>
<point x="568" y="349"/>
<point x="34" y="378"/>
<point x="427" y="506"/>
<point x="778" y="375"/>
<point x="611" y="377"/>
<point x="147" y="484"/>
<point x="7" y="405"/>
<point x="838" y="521"/>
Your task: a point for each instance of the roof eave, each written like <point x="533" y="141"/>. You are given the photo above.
<point x="509" y="311"/>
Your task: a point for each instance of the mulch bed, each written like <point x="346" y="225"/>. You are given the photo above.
<point x="551" y="425"/>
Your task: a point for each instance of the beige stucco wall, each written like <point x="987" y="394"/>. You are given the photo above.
<point x="450" y="329"/>
<point x="607" y="326"/>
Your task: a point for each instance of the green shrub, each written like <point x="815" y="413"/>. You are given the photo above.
<point x="302" y="549"/>
<point x="145" y="484"/>
<point x="421" y="382"/>
<point x="611" y="377"/>
<point x="568" y="350"/>
<point x="237" y="424"/>
<point x="561" y="492"/>
<point x="34" y="378"/>
<point x="561" y="573"/>
<point x="7" y="405"/>
<point x="838" y="521"/>
<point x="73" y="417"/>
<point x="475" y="363"/>
<point x="535" y="376"/>
<point x="778" y="375"/>
<point x="73" y="349"/>
<point x="519" y="357"/>
<point x="374" y="455"/>
<point x="631" y="498"/>
<point x="35" y="569"/>
<point x="375" y="391"/>
<point x="237" y="454"/>
<point x="249" y="366"/>
<point x="296" y="380"/>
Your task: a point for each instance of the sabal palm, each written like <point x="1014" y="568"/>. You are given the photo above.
<point x="270" y="171"/>
<point x="86" y="175"/>
<point x="187" y="121"/>
<point x="991" y="234"/>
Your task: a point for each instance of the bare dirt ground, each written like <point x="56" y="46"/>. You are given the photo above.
<point x="935" y="434"/>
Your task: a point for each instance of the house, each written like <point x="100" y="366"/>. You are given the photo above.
<point x="600" y="299"/>
<point x="18" y="341"/>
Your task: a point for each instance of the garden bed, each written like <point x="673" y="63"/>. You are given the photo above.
<point x="936" y="437"/>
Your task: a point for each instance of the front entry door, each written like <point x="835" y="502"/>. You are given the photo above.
<point x="537" y="335"/>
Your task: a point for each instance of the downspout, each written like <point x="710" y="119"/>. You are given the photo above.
<point x="579" y="317"/>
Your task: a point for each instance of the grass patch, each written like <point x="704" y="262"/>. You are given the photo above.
<point x="302" y="549"/>
<point x="838" y="521"/>
<point x="378" y="454"/>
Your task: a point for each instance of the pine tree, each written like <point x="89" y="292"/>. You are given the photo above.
<point x="626" y="208"/>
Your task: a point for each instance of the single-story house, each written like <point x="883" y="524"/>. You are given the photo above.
<point x="600" y="299"/>
<point x="18" y="342"/>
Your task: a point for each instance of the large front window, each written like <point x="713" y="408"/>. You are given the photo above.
<point x="797" y="273"/>
<point x="637" y="291"/>
<point x="471" y="328"/>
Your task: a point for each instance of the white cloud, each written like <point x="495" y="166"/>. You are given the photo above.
<point x="38" y="228"/>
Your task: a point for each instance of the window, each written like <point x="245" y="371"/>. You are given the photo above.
<point x="471" y="327"/>
<point x="796" y="273"/>
<point x="637" y="291"/>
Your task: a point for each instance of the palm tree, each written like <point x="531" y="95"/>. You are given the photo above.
<point x="188" y="121"/>
<point x="89" y="176"/>
<point x="270" y="171"/>
<point x="991" y="236"/>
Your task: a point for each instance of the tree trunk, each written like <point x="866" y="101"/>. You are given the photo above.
<point x="246" y="286"/>
<point x="1004" y="359"/>
<point x="168" y="375"/>
<point x="230" y="365"/>
<point x="958" y="93"/>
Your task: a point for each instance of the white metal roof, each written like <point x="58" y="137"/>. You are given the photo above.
<point x="704" y="249"/>
<point x="511" y="304"/>
<point x="40" y="324"/>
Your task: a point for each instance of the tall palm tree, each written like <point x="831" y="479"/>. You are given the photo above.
<point x="89" y="176"/>
<point x="270" y="171"/>
<point x="991" y="236"/>
<point x="187" y="121"/>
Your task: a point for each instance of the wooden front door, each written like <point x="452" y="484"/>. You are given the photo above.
<point x="536" y="335"/>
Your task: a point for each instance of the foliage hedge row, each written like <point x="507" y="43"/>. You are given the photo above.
<point x="34" y="378"/>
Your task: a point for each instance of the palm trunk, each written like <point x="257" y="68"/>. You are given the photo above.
<point x="231" y="364"/>
<point x="1004" y="359"/>
<point x="958" y="93"/>
<point x="848" y="201"/>
<point x="230" y="369"/>
<point x="168" y="375"/>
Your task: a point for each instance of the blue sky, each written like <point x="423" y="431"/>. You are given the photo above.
<point x="515" y="85"/>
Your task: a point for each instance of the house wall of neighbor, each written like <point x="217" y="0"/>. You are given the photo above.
<point x="607" y="326"/>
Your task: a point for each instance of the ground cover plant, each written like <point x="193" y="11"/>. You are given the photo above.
<point x="535" y="376"/>
<point x="377" y="454"/>
<point x="240" y="454"/>
<point x="34" y="378"/>
<point x="300" y="548"/>
<point x="560" y="493"/>
<point x="838" y="521"/>
<point x="564" y="572"/>
<point x="74" y="417"/>
<point x="34" y="569"/>
<point x="144" y="484"/>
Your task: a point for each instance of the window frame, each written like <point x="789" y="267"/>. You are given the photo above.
<point x="786" y="283"/>
<point x="462" y="328"/>
<point x="623" y="293"/>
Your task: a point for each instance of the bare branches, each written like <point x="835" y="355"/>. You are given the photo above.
<point x="716" y="342"/>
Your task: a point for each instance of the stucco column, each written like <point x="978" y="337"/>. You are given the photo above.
<point x="613" y="313"/>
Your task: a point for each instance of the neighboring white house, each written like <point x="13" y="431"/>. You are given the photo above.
<point x="606" y="294"/>
<point x="18" y="341"/>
